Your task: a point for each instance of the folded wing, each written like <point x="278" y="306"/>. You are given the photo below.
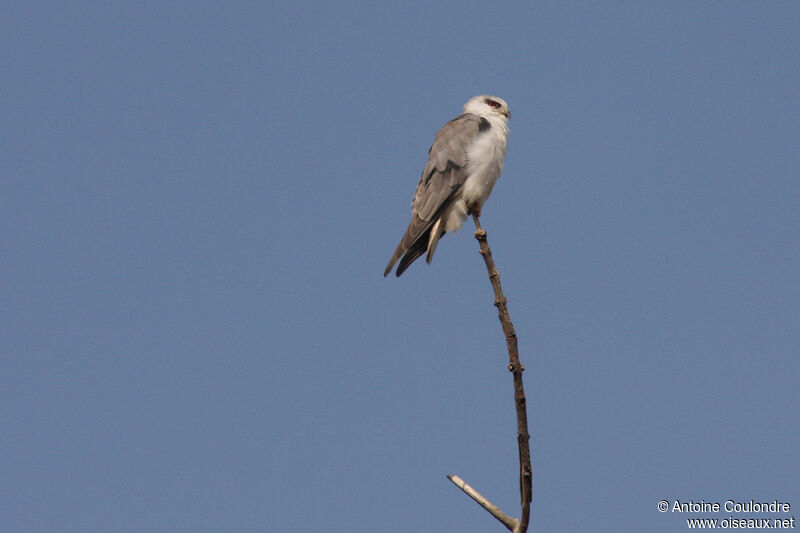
<point x="438" y="186"/>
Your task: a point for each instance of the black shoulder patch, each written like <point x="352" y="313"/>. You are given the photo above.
<point x="484" y="125"/>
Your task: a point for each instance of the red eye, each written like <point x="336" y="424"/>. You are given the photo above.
<point x="492" y="103"/>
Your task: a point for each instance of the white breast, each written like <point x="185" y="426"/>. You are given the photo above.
<point x="485" y="162"/>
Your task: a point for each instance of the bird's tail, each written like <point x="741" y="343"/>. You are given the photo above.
<point x="409" y="255"/>
<point x="399" y="251"/>
<point x="433" y="240"/>
<point x="427" y="242"/>
<point x="421" y="236"/>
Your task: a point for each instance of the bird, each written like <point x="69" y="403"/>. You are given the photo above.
<point x="464" y="162"/>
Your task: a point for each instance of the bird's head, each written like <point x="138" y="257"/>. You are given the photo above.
<point x="487" y="106"/>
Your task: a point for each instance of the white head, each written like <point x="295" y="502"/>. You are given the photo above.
<point x="487" y="106"/>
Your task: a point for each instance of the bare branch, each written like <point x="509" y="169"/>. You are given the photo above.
<point x="516" y="368"/>
<point x="510" y="523"/>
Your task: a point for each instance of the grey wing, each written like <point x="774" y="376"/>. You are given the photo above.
<point x="442" y="177"/>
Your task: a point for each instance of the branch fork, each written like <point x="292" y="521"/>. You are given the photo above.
<point x="525" y="472"/>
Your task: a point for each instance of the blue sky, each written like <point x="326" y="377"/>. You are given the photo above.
<point x="199" y="200"/>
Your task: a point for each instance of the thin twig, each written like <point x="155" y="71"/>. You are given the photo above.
<point x="509" y="522"/>
<point x="516" y="368"/>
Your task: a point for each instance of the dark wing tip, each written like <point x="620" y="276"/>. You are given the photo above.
<point x="412" y="254"/>
<point x="395" y="256"/>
